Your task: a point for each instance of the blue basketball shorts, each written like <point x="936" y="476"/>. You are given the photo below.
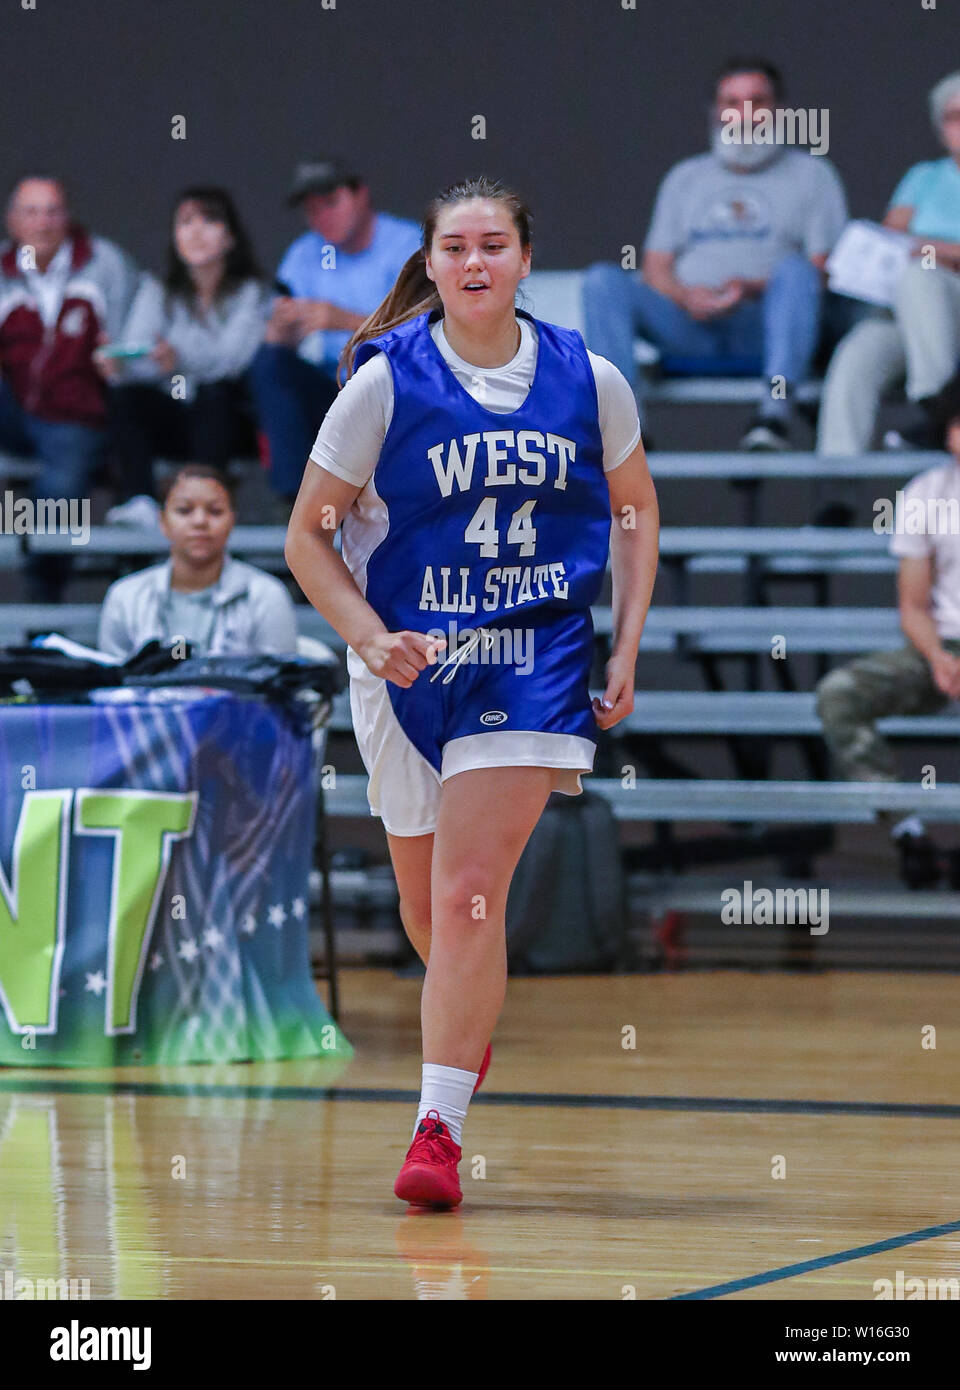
<point x="498" y="696"/>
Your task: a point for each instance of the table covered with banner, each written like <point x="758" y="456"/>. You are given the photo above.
<point x="155" y="852"/>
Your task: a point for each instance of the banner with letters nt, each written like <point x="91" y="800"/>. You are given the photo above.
<point x="155" y="851"/>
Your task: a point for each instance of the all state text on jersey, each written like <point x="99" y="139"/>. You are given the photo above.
<point x="505" y="586"/>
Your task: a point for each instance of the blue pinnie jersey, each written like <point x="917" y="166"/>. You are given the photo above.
<point x="494" y="519"/>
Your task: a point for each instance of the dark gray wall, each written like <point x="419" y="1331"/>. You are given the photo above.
<point x="587" y="104"/>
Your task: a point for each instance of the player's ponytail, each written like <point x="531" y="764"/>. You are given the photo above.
<point x="414" y="292"/>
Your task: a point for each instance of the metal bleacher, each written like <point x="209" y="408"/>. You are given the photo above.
<point x="113" y="550"/>
<point x="733" y="713"/>
<point x="668" y="629"/>
<point x="740" y="467"/>
<point x="724" y="801"/>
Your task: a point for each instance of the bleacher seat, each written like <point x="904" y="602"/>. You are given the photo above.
<point x="749" y="467"/>
<point x="668" y="628"/>
<point x="17" y="470"/>
<point x="556" y="296"/>
<point x="728" y="802"/>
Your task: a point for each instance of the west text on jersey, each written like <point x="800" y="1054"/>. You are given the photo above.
<point x="454" y="462"/>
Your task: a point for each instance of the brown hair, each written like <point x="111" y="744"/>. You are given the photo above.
<point x="196" y="470"/>
<point x="414" y="293"/>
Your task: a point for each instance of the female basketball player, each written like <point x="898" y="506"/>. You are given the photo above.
<point x="474" y="459"/>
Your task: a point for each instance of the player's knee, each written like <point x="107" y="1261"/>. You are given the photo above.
<point x="466" y="898"/>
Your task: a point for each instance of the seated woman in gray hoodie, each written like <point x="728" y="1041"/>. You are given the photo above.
<point x="201" y="593"/>
<point x="185" y="396"/>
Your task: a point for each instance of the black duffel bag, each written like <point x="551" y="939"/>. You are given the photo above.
<point x="567" y="905"/>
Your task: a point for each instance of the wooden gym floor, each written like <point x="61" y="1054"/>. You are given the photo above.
<point x="591" y="1170"/>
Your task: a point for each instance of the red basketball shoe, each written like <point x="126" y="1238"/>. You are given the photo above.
<point x="484" y="1067"/>
<point x="428" y="1177"/>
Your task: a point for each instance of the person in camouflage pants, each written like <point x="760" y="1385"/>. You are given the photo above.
<point x="851" y="699"/>
<point x="921" y="677"/>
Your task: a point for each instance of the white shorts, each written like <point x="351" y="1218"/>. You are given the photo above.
<point x="404" y="788"/>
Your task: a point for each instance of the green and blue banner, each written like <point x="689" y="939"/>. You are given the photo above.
<point x="155" y="851"/>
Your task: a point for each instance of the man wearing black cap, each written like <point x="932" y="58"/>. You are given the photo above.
<point x="329" y="280"/>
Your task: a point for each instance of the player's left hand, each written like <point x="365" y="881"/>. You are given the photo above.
<point x="617" y="699"/>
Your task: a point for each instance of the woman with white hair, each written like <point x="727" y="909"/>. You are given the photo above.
<point x="919" y="337"/>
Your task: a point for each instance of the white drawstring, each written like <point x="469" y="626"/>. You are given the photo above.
<point x="456" y="658"/>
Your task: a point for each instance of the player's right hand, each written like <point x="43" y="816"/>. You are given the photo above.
<point x="400" y="656"/>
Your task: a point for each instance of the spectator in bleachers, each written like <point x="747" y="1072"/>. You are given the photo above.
<point x="732" y="272"/>
<point x="329" y="281"/>
<point x="62" y="292"/>
<point x="919" y="678"/>
<point x="201" y="592"/>
<point x="186" y="397"/>
<point x="920" y="336"/>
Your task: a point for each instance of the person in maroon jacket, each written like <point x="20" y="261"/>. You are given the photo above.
<point x="62" y="293"/>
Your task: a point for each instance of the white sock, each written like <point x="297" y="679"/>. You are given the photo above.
<point x="446" y="1090"/>
<point x="912" y="825"/>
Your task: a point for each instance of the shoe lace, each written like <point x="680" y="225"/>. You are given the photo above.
<point x="433" y="1137"/>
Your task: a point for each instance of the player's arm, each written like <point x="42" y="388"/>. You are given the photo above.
<point x="322" y="502"/>
<point x="914" y="580"/>
<point x="633" y="563"/>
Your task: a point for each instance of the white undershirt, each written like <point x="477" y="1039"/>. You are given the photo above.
<point x="352" y="434"/>
<point x="924" y="530"/>
<point x="48" y="286"/>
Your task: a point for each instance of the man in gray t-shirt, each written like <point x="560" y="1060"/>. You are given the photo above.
<point x="731" y="280"/>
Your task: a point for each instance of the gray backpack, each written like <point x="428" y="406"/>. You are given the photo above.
<point x="566" y="909"/>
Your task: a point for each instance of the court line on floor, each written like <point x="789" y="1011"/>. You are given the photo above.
<point x="363" y="1265"/>
<point x="771" y="1276"/>
<point x="550" y="1099"/>
<point x="413" y="1258"/>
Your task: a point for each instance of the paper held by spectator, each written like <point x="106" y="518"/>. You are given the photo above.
<point x="867" y="262"/>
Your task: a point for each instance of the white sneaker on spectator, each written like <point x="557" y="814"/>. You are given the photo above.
<point x="139" y="511"/>
<point x="765" y="436"/>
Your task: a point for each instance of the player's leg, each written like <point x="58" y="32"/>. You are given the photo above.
<point x="485" y="818"/>
<point x="412" y="858"/>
